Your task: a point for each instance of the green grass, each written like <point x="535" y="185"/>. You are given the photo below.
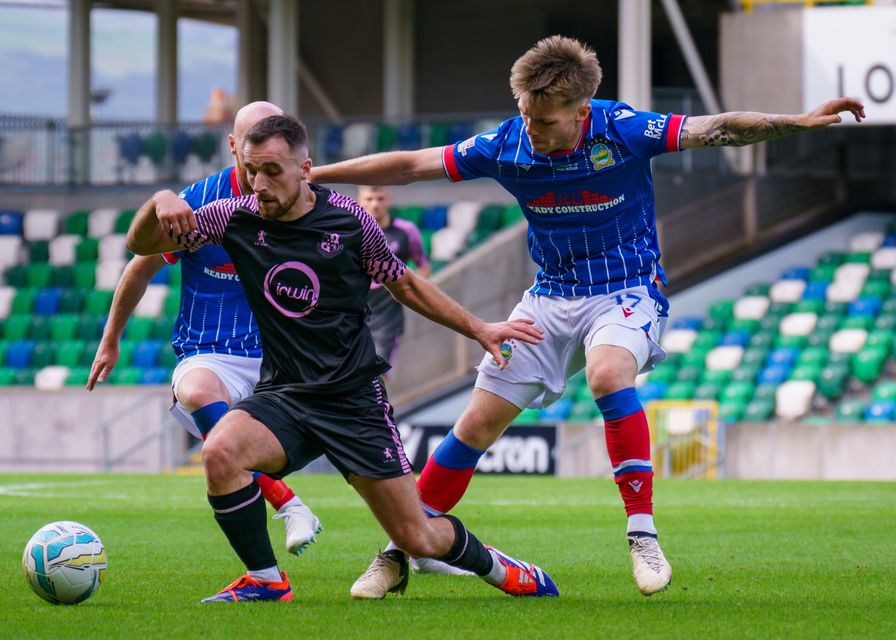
<point x="750" y="559"/>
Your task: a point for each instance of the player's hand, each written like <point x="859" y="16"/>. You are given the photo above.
<point x="829" y="113"/>
<point x="174" y="214"/>
<point x="492" y="335"/>
<point x="106" y="357"/>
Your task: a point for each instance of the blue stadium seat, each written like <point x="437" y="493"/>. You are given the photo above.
<point x="736" y="338"/>
<point x="864" y="306"/>
<point x="688" y="322"/>
<point x="146" y="354"/>
<point x="815" y="290"/>
<point x="434" y="217"/>
<point x="881" y="411"/>
<point x="332" y="143"/>
<point x="650" y="391"/>
<point x="796" y="273"/>
<point x="890" y="240"/>
<point x="783" y="356"/>
<point x="560" y="410"/>
<point x="130" y="147"/>
<point x="408" y="137"/>
<point x="18" y="354"/>
<point x="460" y="131"/>
<point x="156" y="375"/>
<point x="46" y="302"/>
<point x="11" y="222"/>
<point x="774" y="374"/>
<point x="180" y="147"/>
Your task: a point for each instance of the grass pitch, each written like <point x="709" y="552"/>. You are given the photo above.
<point x="750" y="560"/>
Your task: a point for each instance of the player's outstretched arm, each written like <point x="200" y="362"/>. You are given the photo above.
<point x="160" y="219"/>
<point x="128" y="293"/>
<point x="393" y="167"/>
<point x="740" y="128"/>
<point x="426" y="299"/>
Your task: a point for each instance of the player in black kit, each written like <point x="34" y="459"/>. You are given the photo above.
<point x="306" y="257"/>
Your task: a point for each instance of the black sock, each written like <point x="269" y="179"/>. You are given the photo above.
<point x="243" y="519"/>
<point x="467" y="552"/>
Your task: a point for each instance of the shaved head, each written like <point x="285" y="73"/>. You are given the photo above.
<point x="250" y="115"/>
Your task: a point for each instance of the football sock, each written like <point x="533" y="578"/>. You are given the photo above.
<point x="271" y="574"/>
<point x="641" y="523"/>
<point x="447" y="474"/>
<point x="467" y="552"/>
<point x="207" y="417"/>
<point x="276" y="492"/>
<point x="241" y="516"/>
<point x="628" y="444"/>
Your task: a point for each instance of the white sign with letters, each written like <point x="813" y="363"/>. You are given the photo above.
<point x="851" y="51"/>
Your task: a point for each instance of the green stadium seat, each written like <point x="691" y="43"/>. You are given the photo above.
<point x="40" y="327"/>
<point x="123" y="221"/>
<point x="528" y="416"/>
<point x="4" y="344"/>
<point x="87" y="250"/>
<point x="71" y="301"/>
<point x="707" y="391"/>
<point x="696" y="357"/>
<point x="174" y="277"/>
<point x="714" y="324"/>
<point x="62" y="276"/>
<point x="138" y="329"/>
<point x="796" y="342"/>
<point x="681" y="391"/>
<point x="761" y="289"/>
<point x="720" y="377"/>
<point x="828" y="322"/>
<point x="172" y="303"/>
<point x="819" y="338"/>
<point x="833" y="308"/>
<point x="851" y="410"/>
<point x="88" y="327"/>
<point x="125" y="353"/>
<point x="868" y="364"/>
<point x="76" y="223"/>
<point x="69" y="353"/>
<point x="23" y="302"/>
<point x="722" y="310"/>
<point x="809" y="306"/>
<point x="754" y="355"/>
<point x="582" y="411"/>
<point x="84" y="275"/>
<point x="750" y="325"/>
<point x="876" y="289"/>
<point x="828" y="258"/>
<point x="823" y="273"/>
<point x="87" y="356"/>
<point x="664" y="372"/>
<point x="16" y="276"/>
<point x="477" y="236"/>
<point x="412" y="214"/>
<point x="731" y="411"/>
<point x="490" y="218"/>
<point x="98" y="302"/>
<point x="759" y="410"/>
<point x="42" y="355"/>
<point x="746" y="372"/>
<point x="885" y="322"/>
<point x="888" y="306"/>
<point x="77" y="377"/>
<point x="162" y="327"/>
<point x="38" y="251"/>
<point x="857" y="257"/>
<point x="511" y="215"/>
<point x="64" y="326"/>
<point x="857" y="322"/>
<point x="780" y="309"/>
<point x="126" y="375"/>
<point x="689" y="374"/>
<point x="810" y="372"/>
<point x="7" y="376"/>
<point x="167" y="359"/>
<point x="880" y="338"/>
<point x="813" y="356"/>
<point x="738" y="392"/>
<point x="25" y="377"/>
<point x="38" y="276"/>
<point x="385" y="137"/>
<point x="762" y="339"/>
<point x="765" y="392"/>
<point x="706" y="340"/>
<point x="17" y="327"/>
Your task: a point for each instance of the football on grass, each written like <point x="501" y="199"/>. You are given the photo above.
<point x="64" y="562"/>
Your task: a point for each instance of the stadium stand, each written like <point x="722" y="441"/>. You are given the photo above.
<point x="59" y="273"/>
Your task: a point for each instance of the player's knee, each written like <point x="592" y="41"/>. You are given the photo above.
<point x="606" y="378"/>
<point x="195" y="397"/>
<point x="218" y="459"/>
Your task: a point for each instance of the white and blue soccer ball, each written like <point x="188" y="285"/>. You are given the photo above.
<point x="64" y="562"/>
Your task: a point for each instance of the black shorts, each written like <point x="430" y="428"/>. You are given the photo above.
<point x="354" y="430"/>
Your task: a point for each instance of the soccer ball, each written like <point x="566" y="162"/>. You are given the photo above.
<point x="64" y="562"/>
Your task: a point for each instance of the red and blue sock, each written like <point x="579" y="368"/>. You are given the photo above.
<point x="447" y="474"/>
<point x="276" y="492"/>
<point x="628" y="444"/>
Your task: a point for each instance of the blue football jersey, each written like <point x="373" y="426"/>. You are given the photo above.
<point x="592" y="225"/>
<point x="214" y="316"/>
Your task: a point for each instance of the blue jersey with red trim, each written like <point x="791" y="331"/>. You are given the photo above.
<point x="214" y="315"/>
<point x="592" y="225"/>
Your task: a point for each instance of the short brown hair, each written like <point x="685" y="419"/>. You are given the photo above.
<point x="291" y="130"/>
<point x="556" y="69"/>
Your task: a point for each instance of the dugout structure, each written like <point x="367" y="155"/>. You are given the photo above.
<point x="687" y="441"/>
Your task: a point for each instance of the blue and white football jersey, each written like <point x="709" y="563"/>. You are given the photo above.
<point x="214" y="316"/>
<point x="592" y="225"/>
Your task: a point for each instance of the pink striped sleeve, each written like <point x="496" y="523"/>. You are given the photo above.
<point x="380" y="263"/>
<point x="212" y="221"/>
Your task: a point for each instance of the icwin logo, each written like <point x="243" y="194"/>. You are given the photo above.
<point x="292" y="288"/>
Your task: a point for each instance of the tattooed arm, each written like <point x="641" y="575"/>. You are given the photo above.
<point x="740" y="128"/>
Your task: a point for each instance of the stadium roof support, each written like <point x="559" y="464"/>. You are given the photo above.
<point x="283" y="49"/>
<point x="166" y="62"/>
<point x="79" y="86"/>
<point x="398" y="58"/>
<point x="634" y="53"/>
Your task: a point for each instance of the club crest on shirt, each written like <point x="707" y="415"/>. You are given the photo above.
<point x="601" y="157"/>
<point x="331" y="245"/>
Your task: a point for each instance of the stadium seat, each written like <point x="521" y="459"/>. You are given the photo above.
<point x="172" y="302"/>
<point x="760" y="289"/>
<point x="152" y="303"/>
<point x="11" y="222"/>
<point x="138" y="329"/>
<point x="880" y="411"/>
<point x="108" y="273"/>
<point x="796" y="273"/>
<point x="101" y="223"/>
<point x="868" y="364"/>
<point x="17" y="327"/>
<point x="42" y="354"/>
<point x="25" y="377"/>
<point x="69" y="353"/>
<point x="735" y="339"/>
<point x="681" y="391"/>
<point x="40" y="224"/>
<point x="751" y="307"/>
<point x="787" y="290"/>
<point x="848" y="340"/>
<point x="385" y="137"/>
<point x="809" y="305"/>
<point x="707" y="391"/>
<point x="77" y="376"/>
<point x="884" y="390"/>
<point x="731" y="411"/>
<point x="123" y="221"/>
<point x="798" y="324"/>
<point x="162" y="276"/>
<point x="7" y="376"/>
<point x="10" y="249"/>
<point x="6" y="296"/>
<point x="463" y="216"/>
<point x="447" y="243"/>
<point x="725" y="357"/>
<point x="39" y="329"/>
<point x="64" y="326"/>
<point x="774" y="374"/>
<point x="813" y="356"/>
<point x="89" y="327"/>
<point x="648" y="392"/>
<point x="46" y="302"/>
<point x="167" y="358"/>
<point x="746" y="373"/>
<point x="61" y="276"/>
<point x="23" y="301"/>
<point x="411" y="213"/>
<point x="558" y="411"/>
<point x="884" y="258"/>
<point x="38" y="275"/>
<point x="758" y="410"/>
<point x="857" y="322"/>
<point x="18" y="354"/>
<point x="357" y="139"/>
<point x="512" y="214"/>
<point x="766" y="392"/>
<point x="816" y="290"/>
<point x="156" y="375"/>
<point x="71" y="301"/>
<point x="678" y="340"/>
<point x="126" y="376"/>
<point x="720" y="377"/>
<point x="810" y="372"/>
<point x="51" y="378"/>
<point x="87" y="250"/>
<point x="866" y="242"/>
<point x="664" y="372"/>
<point x="687" y="322"/>
<point x="146" y="353"/>
<point x="864" y="306"/>
<point x="76" y="223"/>
<point x="113" y="247"/>
<point x="783" y="356"/>
<point x="408" y="137"/>
<point x="98" y="302"/>
<point x="62" y="249"/>
<point x="434" y="217"/>
<point x="851" y="410"/>
<point x="689" y="374"/>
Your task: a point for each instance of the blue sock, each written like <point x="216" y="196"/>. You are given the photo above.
<point x="207" y="417"/>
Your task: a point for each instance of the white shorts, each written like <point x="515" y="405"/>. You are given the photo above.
<point x="239" y="375"/>
<point x="536" y="374"/>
